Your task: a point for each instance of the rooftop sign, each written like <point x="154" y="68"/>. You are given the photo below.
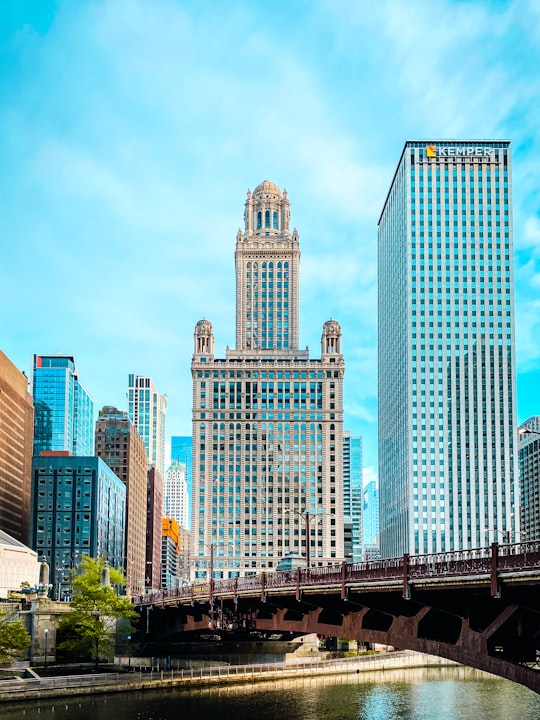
<point x="434" y="151"/>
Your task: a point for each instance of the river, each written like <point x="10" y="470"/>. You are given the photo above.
<point x="426" y="694"/>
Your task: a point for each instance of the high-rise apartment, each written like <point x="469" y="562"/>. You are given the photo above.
<point x="352" y="496"/>
<point x="529" y="479"/>
<point x="175" y="494"/>
<point x="447" y="411"/>
<point x="267" y="419"/>
<point x="16" y="434"/>
<point x="146" y="409"/>
<point x="64" y="411"/>
<point x="122" y="448"/>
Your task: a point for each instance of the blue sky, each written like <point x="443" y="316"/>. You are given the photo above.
<point x="131" y="130"/>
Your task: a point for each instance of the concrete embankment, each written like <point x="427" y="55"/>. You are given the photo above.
<point x="65" y="686"/>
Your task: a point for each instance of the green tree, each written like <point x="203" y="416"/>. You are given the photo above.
<point x="14" y="638"/>
<point x="91" y="624"/>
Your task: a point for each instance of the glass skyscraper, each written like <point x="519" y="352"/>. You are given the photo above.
<point x="447" y="414"/>
<point x="63" y="409"/>
<point x="181" y="451"/>
<point x="352" y="495"/>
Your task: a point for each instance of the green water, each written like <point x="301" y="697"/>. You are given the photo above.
<point x="404" y="695"/>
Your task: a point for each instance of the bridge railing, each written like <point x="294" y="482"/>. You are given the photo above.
<point x="507" y="557"/>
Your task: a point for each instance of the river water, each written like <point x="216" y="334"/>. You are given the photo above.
<point x="432" y="694"/>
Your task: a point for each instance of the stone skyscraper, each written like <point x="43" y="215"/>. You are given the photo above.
<point x="267" y="419"/>
<point x="447" y="409"/>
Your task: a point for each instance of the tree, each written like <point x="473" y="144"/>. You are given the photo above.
<point x="14" y="638"/>
<point x="90" y="625"/>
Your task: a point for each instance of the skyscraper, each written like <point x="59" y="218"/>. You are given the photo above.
<point x="63" y="409"/>
<point x="181" y="451"/>
<point x="267" y="419"/>
<point x="529" y="479"/>
<point x="175" y="494"/>
<point x="16" y="434"/>
<point x="370" y="521"/>
<point x="122" y="448"/>
<point x="447" y="413"/>
<point x="352" y="495"/>
<point x="146" y="409"/>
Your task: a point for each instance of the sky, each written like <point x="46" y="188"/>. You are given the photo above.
<point x="130" y="132"/>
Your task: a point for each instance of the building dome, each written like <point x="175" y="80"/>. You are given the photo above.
<point x="331" y="327"/>
<point x="267" y="188"/>
<point x="203" y="327"/>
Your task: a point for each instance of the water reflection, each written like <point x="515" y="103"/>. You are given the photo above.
<point x="420" y="694"/>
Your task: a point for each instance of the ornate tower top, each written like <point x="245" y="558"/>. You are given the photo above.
<point x="267" y="211"/>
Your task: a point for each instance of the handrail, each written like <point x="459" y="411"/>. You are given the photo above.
<point x="479" y="561"/>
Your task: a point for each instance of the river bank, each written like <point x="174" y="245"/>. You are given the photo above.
<point x="12" y="691"/>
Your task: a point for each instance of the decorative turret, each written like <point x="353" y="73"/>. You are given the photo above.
<point x="204" y="339"/>
<point x="331" y="338"/>
<point x="267" y="211"/>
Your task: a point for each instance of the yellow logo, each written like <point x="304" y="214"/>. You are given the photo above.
<point x="431" y="151"/>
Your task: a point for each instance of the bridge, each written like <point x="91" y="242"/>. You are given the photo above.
<point x="478" y="607"/>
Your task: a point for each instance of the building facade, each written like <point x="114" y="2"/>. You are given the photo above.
<point x="352" y="496"/>
<point x="64" y="411"/>
<point x="447" y="410"/>
<point x="16" y="439"/>
<point x="147" y="411"/>
<point x="78" y="508"/>
<point x="529" y="480"/>
<point x="120" y="446"/>
<point x="175" y="494"/>
<point x="370" y="521"/>
<point x="170" y="554"/>
<point x="267" y="419"/>
<point x="154" y="517"/>
<point x="181" y="451"/>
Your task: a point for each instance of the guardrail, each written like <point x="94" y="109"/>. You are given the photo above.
<point x="492" y="559"/>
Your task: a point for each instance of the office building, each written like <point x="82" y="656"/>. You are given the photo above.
<point x="529" y="480"/>
<point x="146" y="409"/>
<point x="447" y="409"/>
<point x="352" y="496"/>
<point x="16" y="437"/>
<point x="175" y="494"/>
<point x="267" y="419"/>
<point x="18" y="564"/>
<point x="78" y="508"/>
<point x="170" y="554"/>
<point x="154" y="517"/>
<point x="64" y="411"/>
<point x="181" y="451"/>
<point x="370" y="521"/>
<point x="121" y="447"/>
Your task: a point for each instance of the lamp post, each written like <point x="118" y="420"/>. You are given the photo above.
<point x="46" y="633"/>
<point x="307" y="517"/>
<point x="129" y="652"/>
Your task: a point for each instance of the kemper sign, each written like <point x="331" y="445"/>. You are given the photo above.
<point x="456" y="151"/>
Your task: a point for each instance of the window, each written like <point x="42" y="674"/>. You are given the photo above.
<point x="267" y="218"/>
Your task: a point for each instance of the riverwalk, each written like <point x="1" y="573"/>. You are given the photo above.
<point x="71" y="685"/>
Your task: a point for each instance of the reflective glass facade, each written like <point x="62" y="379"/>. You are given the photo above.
<point x="64" y="411"/>
<point x="146" y="410"/>
<point x="181" y="451"/>
<point x="447" y="416"/>
<point x="352" y="494"/>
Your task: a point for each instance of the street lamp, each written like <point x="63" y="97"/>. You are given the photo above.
<point x="46" y="632"/>
<point x="307" y="517"/>
<point x="129" y="652"/>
